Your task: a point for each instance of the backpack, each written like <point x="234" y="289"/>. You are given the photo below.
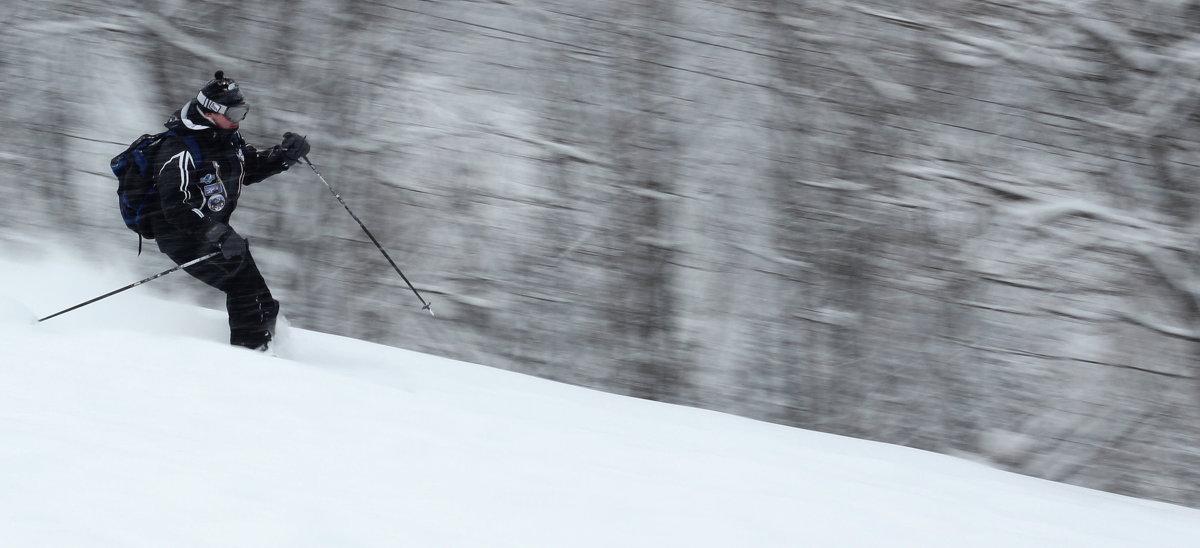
<point x="137" y="195"/>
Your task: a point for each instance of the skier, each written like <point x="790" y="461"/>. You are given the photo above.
<point x="199" y="174"/>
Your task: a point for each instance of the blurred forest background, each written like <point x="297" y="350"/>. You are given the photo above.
<point x="967" y="227"/>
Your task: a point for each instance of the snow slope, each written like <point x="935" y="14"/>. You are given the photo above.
<point x="336" y="442"/>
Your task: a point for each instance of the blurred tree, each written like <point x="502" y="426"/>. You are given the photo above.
<point x="961" y="226"/>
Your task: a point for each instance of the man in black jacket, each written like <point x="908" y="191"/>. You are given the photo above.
<point x="200" y="171"/>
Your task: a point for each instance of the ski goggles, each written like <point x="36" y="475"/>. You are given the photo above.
<point x="235" y="113"/>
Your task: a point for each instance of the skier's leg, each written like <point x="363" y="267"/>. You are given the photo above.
<point x="252" y="309"/>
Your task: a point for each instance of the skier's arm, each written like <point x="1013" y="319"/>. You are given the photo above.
<point x="260" y="165"/>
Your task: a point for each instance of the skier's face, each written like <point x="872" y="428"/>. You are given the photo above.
<point x="221" y="121"/>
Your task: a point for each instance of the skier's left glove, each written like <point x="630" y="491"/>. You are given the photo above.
<point x="294" y="148"/>
<point x="231" y="244"/>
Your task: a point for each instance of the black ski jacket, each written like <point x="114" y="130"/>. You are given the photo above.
<point x="198" y="193"/>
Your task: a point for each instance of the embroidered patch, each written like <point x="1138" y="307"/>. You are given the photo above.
<point x="214" y="192"/>
<point x="214" y="188"/>
<point x="216" y="202"/>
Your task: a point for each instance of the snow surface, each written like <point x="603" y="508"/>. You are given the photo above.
<point x="337" y="442"/>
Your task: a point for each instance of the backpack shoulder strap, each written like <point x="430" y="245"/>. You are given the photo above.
<point x="190" y="142"/>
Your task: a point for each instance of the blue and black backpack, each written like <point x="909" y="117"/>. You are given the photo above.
<point x="136" y="192"/>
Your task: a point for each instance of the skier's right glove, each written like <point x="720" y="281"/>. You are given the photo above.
<point x="294" y="148"/>
<point x="231" y="244"/>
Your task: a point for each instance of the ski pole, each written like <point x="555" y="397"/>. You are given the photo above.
<point x="372" y="237"/>
<point x="135" y="284"/>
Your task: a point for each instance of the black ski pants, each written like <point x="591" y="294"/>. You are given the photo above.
<point x="252" y="309"/>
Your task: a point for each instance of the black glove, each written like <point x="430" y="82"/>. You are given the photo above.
<point x="294" y="148"/>
<point x="231" y="244"/>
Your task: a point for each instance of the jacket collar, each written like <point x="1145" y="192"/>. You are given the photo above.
<point x="189" y="118"/>
<point x="192" y="119"/>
